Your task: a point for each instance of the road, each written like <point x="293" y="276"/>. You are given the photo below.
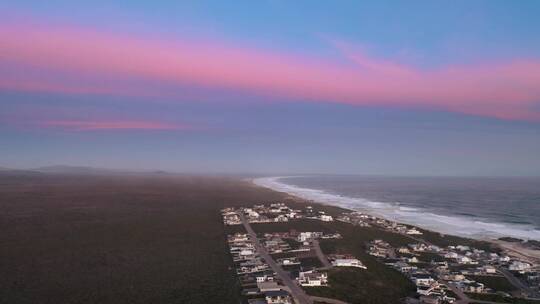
<point x="517" y="282"/>
<point x="328" y="301"/>
<point x="297" y="293"/>
<point x="320" y="254"/>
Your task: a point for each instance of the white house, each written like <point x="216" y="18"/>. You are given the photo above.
<point x="313" y="278"/>
<point x="414" y="231"/>
<point x="473" y="287"/>
<point x="519" y="266"/>
<point x="422" y="279"/>
<point x="277" y="297"/>
<point x="489" y="269"/>
<point x="306" y="236"/>
<point x="326" y="218"/>
<point x="465" y="260"/>
<point x="348" y="263"/>
<point x="246" y="252"/>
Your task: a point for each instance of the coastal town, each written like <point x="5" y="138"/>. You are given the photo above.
<point x="282" y="266"/>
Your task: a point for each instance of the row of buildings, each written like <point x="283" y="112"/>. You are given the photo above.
<point x="272" y="213"/>
<point x="432" y="268"/>
<point x="258" y="282"/>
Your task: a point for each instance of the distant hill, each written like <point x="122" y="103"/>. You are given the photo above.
<point x="80" y="170"/>
<point x="10" y="171"/>
<point x="64" y="169"/>
<point x="73" y="170"/>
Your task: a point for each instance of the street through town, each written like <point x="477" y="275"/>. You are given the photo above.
<point x="297" y="292"/>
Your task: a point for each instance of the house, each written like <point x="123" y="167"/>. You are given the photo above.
<point x="403" y="250"/>
<point x="307" y="236"/>
<point x="519" y="266"/>
<point x="326" y="218"/>
<point x="288" y="261"/>
<point x="489" y="269"/>
<point x="454" y="276"/>
<point x="268" y="286"/>
<point x="281" y="218"/>
<point x="264" y="277"/>
<point x="312" y="278"/>
<point x="413" y="260"/>
<point x="246" y="252"/>
<point x="465" y="260"/>
<point x="424" y="290"/>
<point x="504" y="259"/>
<point x="404" y="267"/>
<point x="414" y="231"/>
<point x="277" y="297"/>
<point x="463" y="248"/>
<point x="418" y="247"/>
<point x="348" y="263"/>
<point x="422" y="279"/>
<point x="473" y="287"/>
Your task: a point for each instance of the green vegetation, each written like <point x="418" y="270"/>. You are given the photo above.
<point x="310" y="262"/>
<point x="365" y="286"/>
<point x="294" y="244"/>
<point x="461" y="267"/>
<point x="500" y="299"/>
<point x="377" y="284"/>
<point x="510" y="239"/>
<point x="427" y="257"/>
<point x="118" y="239"/>
<point x="497" y="283"/>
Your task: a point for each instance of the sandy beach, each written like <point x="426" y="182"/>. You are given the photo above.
<point x="513" y="249"/>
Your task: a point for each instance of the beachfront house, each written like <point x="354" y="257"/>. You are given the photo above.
<point x="348" y="263"/>
<point x="414" y="231"/>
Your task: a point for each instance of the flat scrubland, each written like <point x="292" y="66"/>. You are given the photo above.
<point x="118" y="239"/>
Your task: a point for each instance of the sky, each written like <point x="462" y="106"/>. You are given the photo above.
<point x="272" y="87"/>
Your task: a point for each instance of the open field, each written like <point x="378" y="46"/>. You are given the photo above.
<point x="117" y="239"/>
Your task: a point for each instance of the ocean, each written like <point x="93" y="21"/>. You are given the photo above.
<point x="477" y="207"/>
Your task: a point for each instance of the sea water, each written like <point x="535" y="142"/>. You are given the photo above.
<point x="478" y="207"/>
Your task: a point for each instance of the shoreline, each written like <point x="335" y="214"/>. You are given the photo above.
<point x="509" y="248"/>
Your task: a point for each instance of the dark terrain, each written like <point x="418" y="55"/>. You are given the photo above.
<point x="117" y="239"/>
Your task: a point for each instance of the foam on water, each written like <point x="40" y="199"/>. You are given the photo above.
<point x="455" y="225"/>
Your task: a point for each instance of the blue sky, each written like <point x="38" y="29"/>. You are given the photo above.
<point x="400" y="65"/>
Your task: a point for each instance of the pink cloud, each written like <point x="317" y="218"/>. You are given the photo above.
<point x="506" y="89"/>
<point x="78" y="125"/>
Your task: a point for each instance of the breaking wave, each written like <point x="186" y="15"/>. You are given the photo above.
<point x="454" y="225"/>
